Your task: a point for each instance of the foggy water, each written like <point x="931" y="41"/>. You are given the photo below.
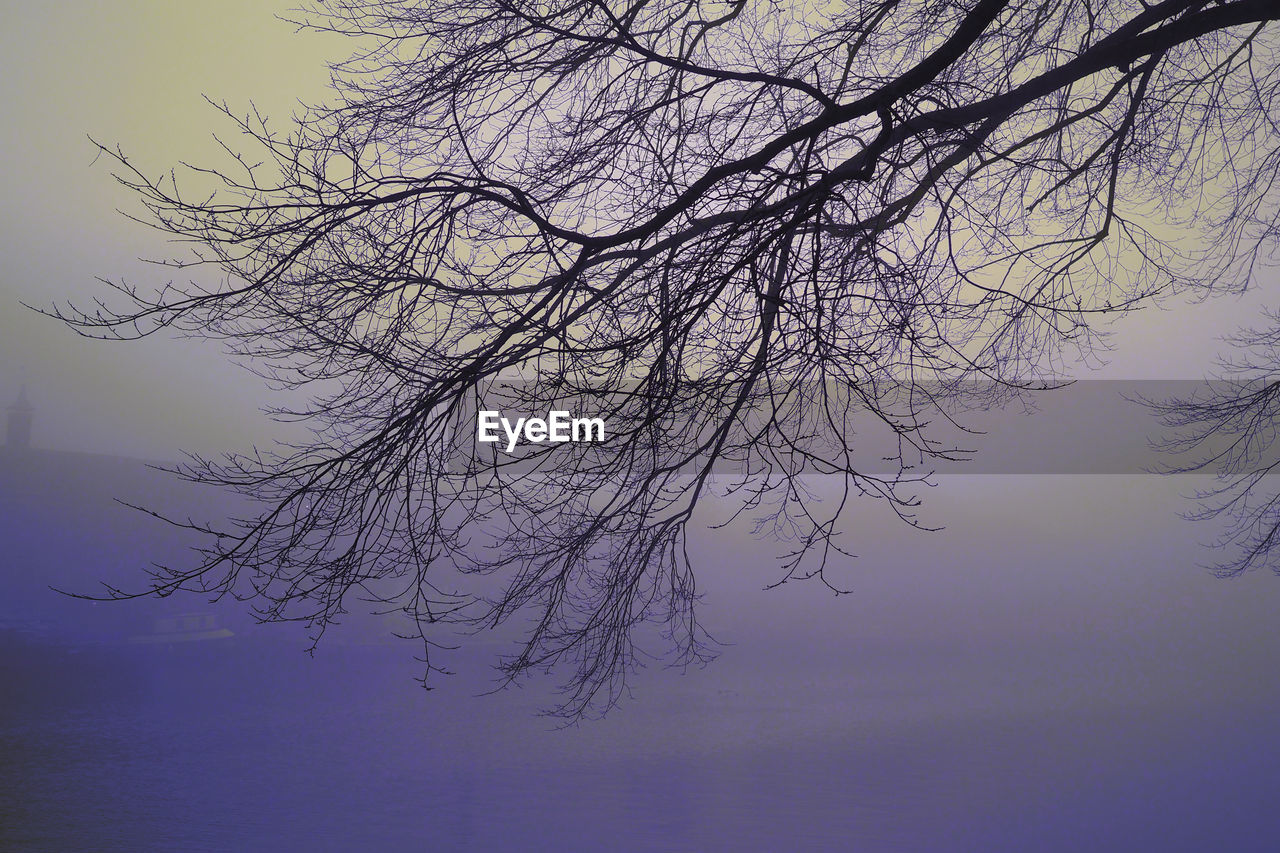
<point x="1051" y="673"/>
<point x="342" y="753"/>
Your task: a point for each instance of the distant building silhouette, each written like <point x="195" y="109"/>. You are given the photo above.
<point x="18" y="424"/>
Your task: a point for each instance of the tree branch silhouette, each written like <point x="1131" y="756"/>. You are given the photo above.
<point x="731" y="229"/>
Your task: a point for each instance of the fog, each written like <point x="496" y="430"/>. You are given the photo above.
<point x="131" y="74"/>
<point x="1052" y="670"/>
<point x="1056" y="667"/>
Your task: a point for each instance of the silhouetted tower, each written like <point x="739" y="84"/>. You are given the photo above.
<point x="18" y="426"/>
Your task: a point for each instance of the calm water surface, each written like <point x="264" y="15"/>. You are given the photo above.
<point x="338" y="754"/>
<point x="1053" y="673"/>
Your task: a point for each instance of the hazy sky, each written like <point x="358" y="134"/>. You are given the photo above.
<point x="133" y="72"/>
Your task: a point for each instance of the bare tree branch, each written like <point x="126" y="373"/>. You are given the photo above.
<point x="738" y="232"/>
